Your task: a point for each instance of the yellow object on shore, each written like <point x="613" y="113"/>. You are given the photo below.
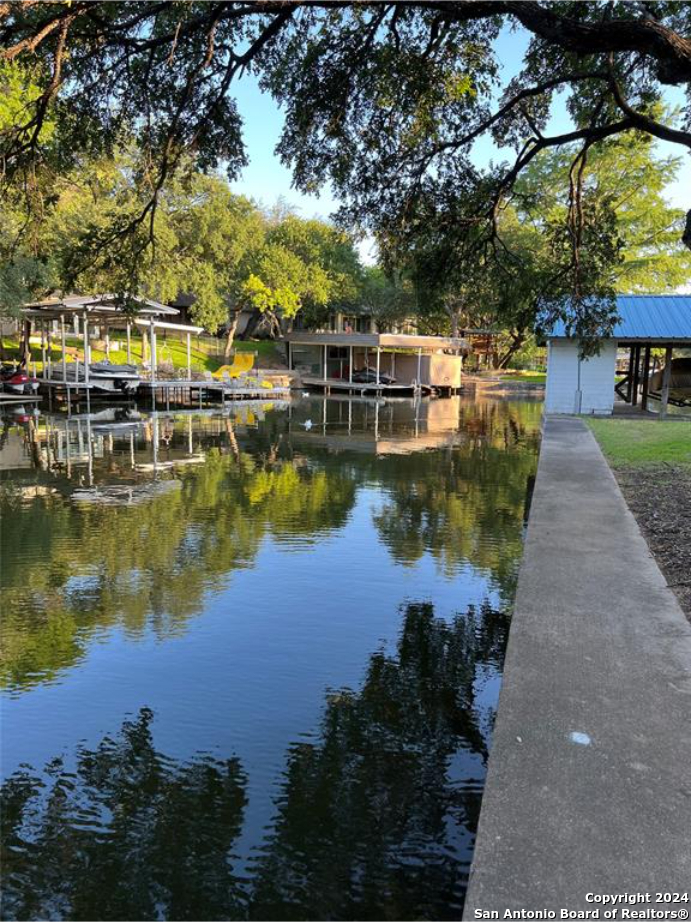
<point x="242" y="363"/>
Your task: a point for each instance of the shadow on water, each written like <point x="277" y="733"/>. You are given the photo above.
<point x="374" y="818"/>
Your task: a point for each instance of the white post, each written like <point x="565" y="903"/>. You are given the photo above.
<point x="378" y="363"/>
<point x="666" y="380"/>
<point x="64" y="353"/>
<point x="50" y="345"/>
<point x="419" y="367"/>
<point x="129" y="342"/>
<point x="43" y="350"/>
<point x="325" y="360"/>
<point x="107" y="343"/>
<point x="393" y="364"/>
<point x="152" y="350"/>
<point x="85" y="326"/>
<point x="350" y="365"/>
<point x="189" y="356"/>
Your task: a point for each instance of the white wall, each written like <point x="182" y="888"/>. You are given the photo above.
<point x="597" y="378"/>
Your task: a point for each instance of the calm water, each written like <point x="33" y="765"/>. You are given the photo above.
<point x="251" y="661"/>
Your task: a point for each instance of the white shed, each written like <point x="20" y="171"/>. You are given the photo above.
<point x="646" y="322"/>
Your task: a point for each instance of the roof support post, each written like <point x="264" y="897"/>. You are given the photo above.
<point x="629" y="383"/>
<point x="85" y="329"/>
<point x="64" y="348"/>
<point x="350" y="364"/>
<point x="189" y="356"/>
<point x="636" y="375"/>
<point x="646" y="378"/>
<point x="43" y="350"/>
<point x="666" y="381"/>
<point x="129" y="342"/>
<point x="324" y="358"/>
<point x="419" y="367"/>
<point x="50" y="347"/>
<point x="378" y="363"/>
<point x="152" y="351"/>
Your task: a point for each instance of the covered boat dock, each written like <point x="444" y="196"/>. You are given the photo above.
<point x="382" y="363"/>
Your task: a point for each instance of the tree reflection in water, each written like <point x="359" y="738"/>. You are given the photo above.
<point x="129" y="834"/>
<point x="375" y="818"/>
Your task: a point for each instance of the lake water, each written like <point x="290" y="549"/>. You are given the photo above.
<point x="251" y="659"/>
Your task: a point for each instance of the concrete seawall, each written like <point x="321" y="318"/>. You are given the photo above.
<point x="589" y="782"/>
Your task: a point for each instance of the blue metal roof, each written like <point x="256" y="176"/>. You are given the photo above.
<point x="664" y="317"/>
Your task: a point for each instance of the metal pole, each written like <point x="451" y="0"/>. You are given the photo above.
<point x="50" y="346"/>
<point x="64" y="348"/>
<point x="43" y="350"/>
<point x="129" y="342"/>
<point x="85" y="326"/>
<point x="189" y="356"/>
<point x="419" y="367"/>
<point x="152" y="353"/>
<point x="666" y="380"/>
<point x="325" y="374"/>
<point x="350" y="364"/>
<point x="378" y="363"/>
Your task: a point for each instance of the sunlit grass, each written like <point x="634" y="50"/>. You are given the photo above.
<point x="204" y="357"/>
<point x="631" y="442"/>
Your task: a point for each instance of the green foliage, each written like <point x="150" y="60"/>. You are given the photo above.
<point x="211" y="244"/>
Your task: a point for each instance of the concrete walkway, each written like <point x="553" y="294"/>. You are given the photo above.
<point x="589" y="784"/>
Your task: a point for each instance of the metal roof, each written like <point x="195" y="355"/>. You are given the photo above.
<point x="103" y="306"/>
<point x="648" y="317"/>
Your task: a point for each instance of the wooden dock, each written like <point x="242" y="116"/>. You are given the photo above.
<point x="191" y="391"/>
<point x="185" y="391"/>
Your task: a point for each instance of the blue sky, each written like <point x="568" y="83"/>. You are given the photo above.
<point x="266" y="180"/>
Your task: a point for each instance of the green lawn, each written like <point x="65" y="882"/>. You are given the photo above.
<point x="529" y="377"/>
<point x="638" y="443"/>
<point x="204" y="357"/>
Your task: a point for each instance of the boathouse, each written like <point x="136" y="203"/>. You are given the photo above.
<point x="647" y="324"/>
<point x="381" y="362"/>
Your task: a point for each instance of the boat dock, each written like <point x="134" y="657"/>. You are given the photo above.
<point x="186" y="391"/>
<point x="357" y="387"/>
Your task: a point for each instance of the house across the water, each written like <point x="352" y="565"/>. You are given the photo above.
<point x="647" y="325"/>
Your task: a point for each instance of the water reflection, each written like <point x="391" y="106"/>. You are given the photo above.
<point x="375" y="816"/>
<point x="127" y="833"/>
<point x="143" y="546"/>
<point x="376" y="819"/>
<point x="281" y="587"/>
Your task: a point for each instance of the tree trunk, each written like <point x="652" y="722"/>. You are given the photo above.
<point x="25" y="351"/>
<point x="518" y="339"/>
<point x="454" y="325"/>
<point x="230" y="334"/>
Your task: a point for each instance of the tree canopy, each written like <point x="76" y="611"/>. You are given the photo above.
<point x="384" y="100"/>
